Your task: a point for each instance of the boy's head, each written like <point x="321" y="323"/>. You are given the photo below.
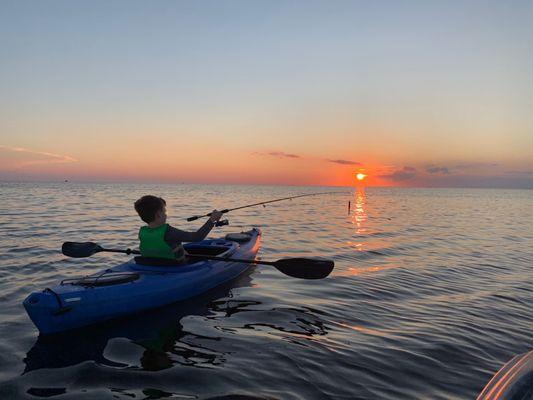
<point x="151" y="209"/>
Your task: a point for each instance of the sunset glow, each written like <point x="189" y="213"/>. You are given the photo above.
<point x="360" y="176"/>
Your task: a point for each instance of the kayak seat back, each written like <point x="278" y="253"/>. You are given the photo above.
<point x="157" y="262"/>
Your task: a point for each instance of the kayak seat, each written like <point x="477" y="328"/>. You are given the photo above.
<point x="106" y="279"/>
<point x="157" y="262"/>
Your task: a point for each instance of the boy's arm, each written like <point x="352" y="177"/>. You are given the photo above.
<point x="175" y="235"/>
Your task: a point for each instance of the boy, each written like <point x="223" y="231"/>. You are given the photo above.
<point x="159" y="239"/>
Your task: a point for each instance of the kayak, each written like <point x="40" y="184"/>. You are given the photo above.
<point x="139" y="284"/>
<point x="514" y="381"/>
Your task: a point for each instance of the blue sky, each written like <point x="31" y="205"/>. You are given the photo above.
<point x="387" y="84"/>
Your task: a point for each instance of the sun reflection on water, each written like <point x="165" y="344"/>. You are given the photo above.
<point x="358" y="217"/>
<point x="364" y="242"/>
<point x="353" y="271"/>
<point x="359" y="328"/>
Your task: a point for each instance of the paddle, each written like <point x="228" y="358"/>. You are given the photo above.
<point x="303" y="268"/>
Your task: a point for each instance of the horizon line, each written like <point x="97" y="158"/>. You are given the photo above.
<point x="103" y="182"/>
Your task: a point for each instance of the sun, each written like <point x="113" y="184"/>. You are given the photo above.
<point x="360" y="176"/>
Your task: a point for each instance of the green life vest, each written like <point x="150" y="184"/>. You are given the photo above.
<point x="153" y="242"/>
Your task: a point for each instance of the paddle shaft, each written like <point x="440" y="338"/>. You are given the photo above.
<point x="226" y="210"/>
<point x="215" y="258"/>
<point x="241" y="260"/>
<point x="127" y="251"/>
<point x="303" y="268"/>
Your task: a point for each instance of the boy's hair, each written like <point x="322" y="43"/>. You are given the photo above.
<point x="148" y="206"/>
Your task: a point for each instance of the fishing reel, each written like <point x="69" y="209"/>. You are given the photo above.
<point x="222" y="222"/>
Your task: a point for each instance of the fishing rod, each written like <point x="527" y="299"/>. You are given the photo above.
<point x="226" y="210"/>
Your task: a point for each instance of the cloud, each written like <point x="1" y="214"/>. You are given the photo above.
<point x="279" y="154"/>
<point x="522" y="172"/>
<point x="403" y="174"/>
<point x="282" y="154"/>
<point x="477" y="181"/>
<point x="344" y="162"/>
<point x="432" y="169"/>
<point x="476" y="165"/>
<point x="49" y="158"/>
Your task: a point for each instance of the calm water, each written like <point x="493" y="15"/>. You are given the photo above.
<point x="431" y="294"/>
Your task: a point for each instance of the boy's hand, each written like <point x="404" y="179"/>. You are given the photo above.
<point x="215" y="216"/>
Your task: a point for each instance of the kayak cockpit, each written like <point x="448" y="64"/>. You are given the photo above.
<point x="218" y="247"/>
<point x="196" y="249"/>
<point x="207" y="250"/>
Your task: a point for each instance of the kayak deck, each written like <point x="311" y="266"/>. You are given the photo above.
<point x="131" y="287"/>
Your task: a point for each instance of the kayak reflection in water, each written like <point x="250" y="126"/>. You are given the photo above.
<point x="160" y="240"/>
<point x="157" y="333"/>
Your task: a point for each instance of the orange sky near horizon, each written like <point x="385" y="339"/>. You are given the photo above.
<point x="326" y="148"/>
<point x="203" y="166"/>
<point x="225" y="165"/>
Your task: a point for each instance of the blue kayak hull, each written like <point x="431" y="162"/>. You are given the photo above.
<point x="69" y="305"/>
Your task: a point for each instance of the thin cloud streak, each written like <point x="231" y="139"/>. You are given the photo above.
<point x="279" y="154"/>
<point x="344" y="162"/>
<point x="282" y="154"/>
<point x="476" y="165"/>
<point x="53" y="158"/>
<point x="520" y="172"/>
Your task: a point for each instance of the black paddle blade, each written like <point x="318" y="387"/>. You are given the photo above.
<point x="305" y="268"/>
<point x="80" y="250"/>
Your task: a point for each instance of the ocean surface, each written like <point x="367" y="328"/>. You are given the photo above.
<point x="432" y="292"/>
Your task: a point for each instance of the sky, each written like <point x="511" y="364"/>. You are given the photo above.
<point x="409" y="93"/>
